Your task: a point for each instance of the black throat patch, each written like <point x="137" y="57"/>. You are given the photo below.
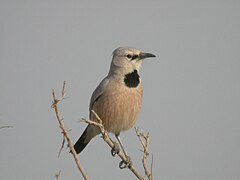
<point x="132" y="79"/>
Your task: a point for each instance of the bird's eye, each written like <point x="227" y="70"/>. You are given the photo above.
<point x="129" y="56"/>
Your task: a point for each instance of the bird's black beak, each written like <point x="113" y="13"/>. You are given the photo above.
<point x="143" y="55"/>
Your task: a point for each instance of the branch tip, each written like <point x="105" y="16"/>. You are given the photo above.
<point x="65" y="132"/>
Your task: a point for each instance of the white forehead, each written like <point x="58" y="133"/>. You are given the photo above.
<point x="121" y="51"/>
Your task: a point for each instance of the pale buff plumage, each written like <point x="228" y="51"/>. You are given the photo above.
<point x="118" y="106"/>
<point x="117" y="99"/>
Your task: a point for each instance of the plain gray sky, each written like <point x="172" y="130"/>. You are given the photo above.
<point x="191" y="102"/>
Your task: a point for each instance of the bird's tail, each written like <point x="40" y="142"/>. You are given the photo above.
<point x="90" y="132"/>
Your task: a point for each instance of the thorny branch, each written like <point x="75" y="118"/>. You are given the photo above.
<point x="64" y="131"/>
<point x="144" y="139"/>
<point x="109" y="141"/>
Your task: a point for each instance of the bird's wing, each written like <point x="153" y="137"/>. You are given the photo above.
<point x="98" y="92"/>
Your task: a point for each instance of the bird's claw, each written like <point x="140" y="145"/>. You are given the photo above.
<point x="125" y="163"/>
<point x="115" y="150"/>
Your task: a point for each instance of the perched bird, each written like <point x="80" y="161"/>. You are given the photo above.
<point x="117" y="99"/>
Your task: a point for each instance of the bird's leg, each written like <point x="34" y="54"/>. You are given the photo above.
<point x="128" y="162"/>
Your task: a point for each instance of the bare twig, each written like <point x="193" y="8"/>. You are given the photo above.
<point x="63" y="142"/>
<point x="64" y="131"/>
<point x="144" y="139"/>
<point x="109" y="141"/>
<point x="6" y="127"/>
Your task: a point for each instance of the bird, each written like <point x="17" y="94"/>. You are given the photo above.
<point x="117" y="99"/>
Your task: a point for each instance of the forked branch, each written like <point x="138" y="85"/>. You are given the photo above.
<point x="145" y="139"/>
<point x="109" y="141"/>
<point x="64" y="131"/>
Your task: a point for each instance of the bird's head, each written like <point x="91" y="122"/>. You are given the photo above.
<point x="127" y="59"/>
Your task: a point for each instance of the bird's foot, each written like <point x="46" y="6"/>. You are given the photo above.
<point x="125" y="163"/>
<point x="115" y="150"/>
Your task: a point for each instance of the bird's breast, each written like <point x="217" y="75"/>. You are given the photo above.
<point x="118" y="106"/>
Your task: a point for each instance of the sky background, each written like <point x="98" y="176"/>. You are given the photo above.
<point x="191" y="101"/>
